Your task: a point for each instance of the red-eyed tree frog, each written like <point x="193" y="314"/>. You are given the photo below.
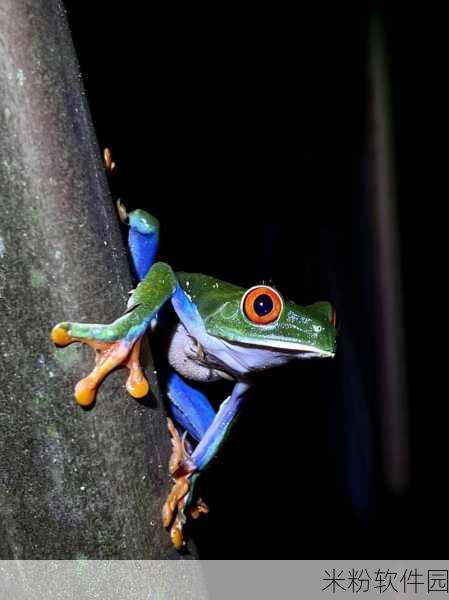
<point x="221" y="331"/>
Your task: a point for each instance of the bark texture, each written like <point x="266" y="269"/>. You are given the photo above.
<point x="74" y="483"/>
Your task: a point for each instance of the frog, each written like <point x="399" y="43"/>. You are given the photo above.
<point x="220" y="331"/>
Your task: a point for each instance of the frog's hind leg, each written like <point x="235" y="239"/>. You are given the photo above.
<point x="193" y="414"/>
<point x="189" y="407"/>
<point x="111" y="352"/>
<point x="143" y="238"/>
<point x="180" y="502"/>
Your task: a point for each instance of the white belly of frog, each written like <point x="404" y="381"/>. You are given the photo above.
<point x="189" y="359"/>
<point x="254" y="359"/>
<point x="216" y="358"/>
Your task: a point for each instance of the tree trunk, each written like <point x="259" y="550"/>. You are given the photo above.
<point x="74" y="483"/>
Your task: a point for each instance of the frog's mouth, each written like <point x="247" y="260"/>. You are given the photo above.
<point x="292" y="349"/>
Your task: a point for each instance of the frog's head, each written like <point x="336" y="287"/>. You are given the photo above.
<point x="260" y="319"/>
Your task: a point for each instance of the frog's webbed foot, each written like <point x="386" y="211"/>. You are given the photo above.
<point x="118" y="344"/>
<point x="109" y="355"/>
<point x="174" y="510"/>
<point x="180" y="504"/>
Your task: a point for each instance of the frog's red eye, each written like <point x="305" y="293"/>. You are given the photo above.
<point x="262" y="305"/>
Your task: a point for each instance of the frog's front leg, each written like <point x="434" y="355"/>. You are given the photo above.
<point x="118" y="344"/>
<point x="110" y="354"/>
<point x="180" y="503"/>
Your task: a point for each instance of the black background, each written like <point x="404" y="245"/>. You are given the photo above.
<point x="247" y="134"/>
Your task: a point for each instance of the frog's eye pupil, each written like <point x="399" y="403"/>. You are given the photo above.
<point x="263" y="305"/>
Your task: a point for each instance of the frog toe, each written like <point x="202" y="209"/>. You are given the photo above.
<point x="176" y="533"/>
<point x="136" y="384"/>
<point x="137" y="387"/>
<point x="60" y="334"/>
<point x="85" y="392"/>
<point x="175" y="501"/>
<point x="179" y="455"/>
<point x="198" y="508"/>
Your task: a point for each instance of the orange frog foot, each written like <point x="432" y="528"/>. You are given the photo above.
<point x="108" y="356"/>
<point x="178" y="506"/>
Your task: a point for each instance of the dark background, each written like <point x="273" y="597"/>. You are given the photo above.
<point x="249" y="135"/>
